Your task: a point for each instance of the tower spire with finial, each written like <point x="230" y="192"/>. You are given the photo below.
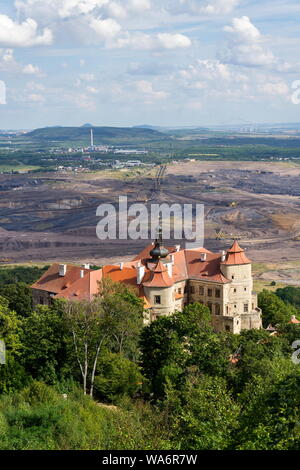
<point x="159" y="251"/>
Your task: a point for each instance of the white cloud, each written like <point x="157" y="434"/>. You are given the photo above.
<point x="31" y="69"/>
<point x="279" y="88"/>
<point x="245" y="46"/>
<point x="157" y="42"/>
<point x="173" y="41"/>
<point x="22" y="34"/>
<point x="7" y="56"/>
<point x="34" y="86"/>
<point x="62" y="8"/>
<point x="243" y="29"/>
<point x="146" y="87"/>
<point x="199" y="7"/>
<point x="93" y="90"/>
<point x="105" y="29"/>
<point x="206" y="70"/>
<point x="35" y="98"/>
<point x="139" y="6"/>
<point x="116" y="10"/>
<point x="87" y="77"/>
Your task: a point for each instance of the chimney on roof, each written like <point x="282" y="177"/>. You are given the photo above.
<point x="177" y="248"/>
<point x="223" y="257"/>
<point x="62" y="270"/>
<point x="140" y="273"/>
<point x="172" y="259"/>
<point x="203" y="257"/>
<point x="121" y="266"/>
<point x="86" y="266"/>
<point x="169" y="267"/>
<point x="81" y="274"/>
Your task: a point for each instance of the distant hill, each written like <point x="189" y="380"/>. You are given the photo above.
<point x="102" y="135"/>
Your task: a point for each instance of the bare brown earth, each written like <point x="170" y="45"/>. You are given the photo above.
<point x="52" y="217"/>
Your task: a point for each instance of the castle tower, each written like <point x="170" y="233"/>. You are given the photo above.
<point x="240" y="302"/>
<point x="159" y="289"/>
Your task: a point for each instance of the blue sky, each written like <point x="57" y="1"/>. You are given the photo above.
<point x="167" y="62"/>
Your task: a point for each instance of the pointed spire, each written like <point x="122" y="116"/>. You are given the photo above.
<point x="236" y="255"/>
<point x="158" y="277"/>
<point x="159" y="251"/>
<point x="236" y="248"/>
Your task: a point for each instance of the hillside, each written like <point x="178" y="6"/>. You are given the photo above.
<point x="103" y="135"/>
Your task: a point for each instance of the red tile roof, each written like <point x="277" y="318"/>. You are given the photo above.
<point x="236" y="255"/>
<point x="187" y="264"/>
<point x="158" y="277"/>
<point x="52" y="282"/>
<point x="294" y="320"/>
<point x="83" y="289"/>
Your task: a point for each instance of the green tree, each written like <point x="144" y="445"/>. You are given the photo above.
<point x="207" y="417"/>
<point x="162" y="346"/>
<point x="113" y="318"/>
<point x="117" y="376"/>
<point x="12" y="374"/>
<point x="290" y="295"/>
<point x="44" y="353"/>
<point x="19" y="297"/>
<point x="274" y="310"/>
<point x="271" y="417"/>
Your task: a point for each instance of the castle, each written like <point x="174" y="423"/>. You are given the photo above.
<point x="167" y="279"/>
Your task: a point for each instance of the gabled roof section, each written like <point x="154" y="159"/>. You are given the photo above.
<point x="83" y="289"/>
<point x="236" y="255"/>
<point x="205" y="270"/>
<point x="52" y="282"/>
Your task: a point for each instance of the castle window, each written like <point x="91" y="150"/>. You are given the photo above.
<point x="232" y="277"/>
<point x="245" y="289"/>
<point x="210" y="306"/>
<point x="157" y="299"/>
<point x="192" y="290"/>
<point x="209" y="292"/>
<point x="234" y="290"/>
<point x="201" y="290"/>
<point x="185" y="289"/>
<point x="218" y="293"/>
<point x="217" y="309"/>
<point x="179" y="290"/>
<point x="41" y="301"/>
<point x="227" y="328"/>
<point x="246" y="308"/>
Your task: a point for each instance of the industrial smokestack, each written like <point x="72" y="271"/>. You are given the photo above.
<point x="92" y="138"/>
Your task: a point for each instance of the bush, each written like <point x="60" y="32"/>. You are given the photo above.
<point x="117" y="376"/>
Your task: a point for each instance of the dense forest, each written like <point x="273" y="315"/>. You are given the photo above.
<point x="88" y="375"/>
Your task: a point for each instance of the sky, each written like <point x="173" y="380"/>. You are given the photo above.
<point x="156" y="62"/>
